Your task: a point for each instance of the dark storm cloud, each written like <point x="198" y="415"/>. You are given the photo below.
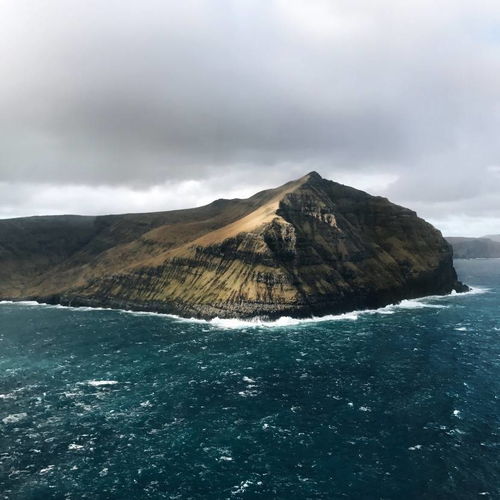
<point x="136" y="94"/>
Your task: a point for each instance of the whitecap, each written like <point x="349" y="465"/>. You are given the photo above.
<point x="417" y="304"/>
<point x="47" y="469"/>
<point x="99" y="383"/>
<point x="71" y="394"/>
<point x="249" y="393"/>
<point x="236" y="490"/>
<point x="21" y="302"/>
<point x="14" y="418"/>
<point x="416" y="447"/>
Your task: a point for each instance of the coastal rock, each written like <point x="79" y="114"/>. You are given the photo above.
<point x="310" y="247"/>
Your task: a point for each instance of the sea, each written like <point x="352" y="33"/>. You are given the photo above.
<point x="396" y="403"/>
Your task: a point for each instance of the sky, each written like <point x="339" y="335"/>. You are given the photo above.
<point x="145" y="105"/>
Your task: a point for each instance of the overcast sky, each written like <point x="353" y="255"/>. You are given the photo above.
<point x="139" y="105"/>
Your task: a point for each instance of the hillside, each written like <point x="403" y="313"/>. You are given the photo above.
<point x="493" y="237"/>
<point x="474" y="248"/>
<point x="309" y="247"/>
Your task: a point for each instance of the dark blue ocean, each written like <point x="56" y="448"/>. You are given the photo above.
<point x="402" y="403"/>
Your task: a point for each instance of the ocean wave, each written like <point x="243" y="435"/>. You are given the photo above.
<point x="14" y="418"/>
<point x="23" y="302"/>
<point x="283" y="321"/>
<point x="100" y="383"/>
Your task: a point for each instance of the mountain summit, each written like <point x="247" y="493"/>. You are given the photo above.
<point x="309" y="247"/>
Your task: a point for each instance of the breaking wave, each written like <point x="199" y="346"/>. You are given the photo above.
<point x="283" y="321"/>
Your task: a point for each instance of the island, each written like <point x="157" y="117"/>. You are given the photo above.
<point x="308" y="248"/>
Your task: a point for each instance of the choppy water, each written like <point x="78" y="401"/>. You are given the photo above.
<point x="399" y="403"/>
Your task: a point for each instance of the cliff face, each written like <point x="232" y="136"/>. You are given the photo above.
<point x="310" y="247"/>
<point x="493" y="237"/>
<point x="474" y="248"/>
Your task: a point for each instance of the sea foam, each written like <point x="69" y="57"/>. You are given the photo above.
<point x="283" y="321"/>
<point x="14" y="418"/>
<point x="100" y="383"/>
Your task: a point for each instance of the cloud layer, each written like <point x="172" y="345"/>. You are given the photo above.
<point x="117" y="97"/>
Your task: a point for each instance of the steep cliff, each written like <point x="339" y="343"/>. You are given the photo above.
<point x="309" y="247"/>
<point x="493" y="237"/>
<point x="474" y="248"/>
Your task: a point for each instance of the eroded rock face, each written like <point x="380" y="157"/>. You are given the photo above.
<point x="310" y="247"/>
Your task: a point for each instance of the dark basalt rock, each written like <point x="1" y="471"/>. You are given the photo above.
<point x="310" y="247"/>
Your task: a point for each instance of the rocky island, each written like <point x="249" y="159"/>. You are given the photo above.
<point x="309" y="247"/>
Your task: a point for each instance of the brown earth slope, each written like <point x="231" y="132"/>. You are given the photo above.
<point x="309" y="247"/>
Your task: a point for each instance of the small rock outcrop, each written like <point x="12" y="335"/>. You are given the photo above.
<point x="310" y="247"/>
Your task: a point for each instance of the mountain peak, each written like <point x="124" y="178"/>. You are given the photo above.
<point x="312" y="176"/>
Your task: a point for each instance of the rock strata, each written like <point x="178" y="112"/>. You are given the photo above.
<point x="310" y="247"/>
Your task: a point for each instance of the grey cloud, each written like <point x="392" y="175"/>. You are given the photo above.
<point x="136" y="93"/>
